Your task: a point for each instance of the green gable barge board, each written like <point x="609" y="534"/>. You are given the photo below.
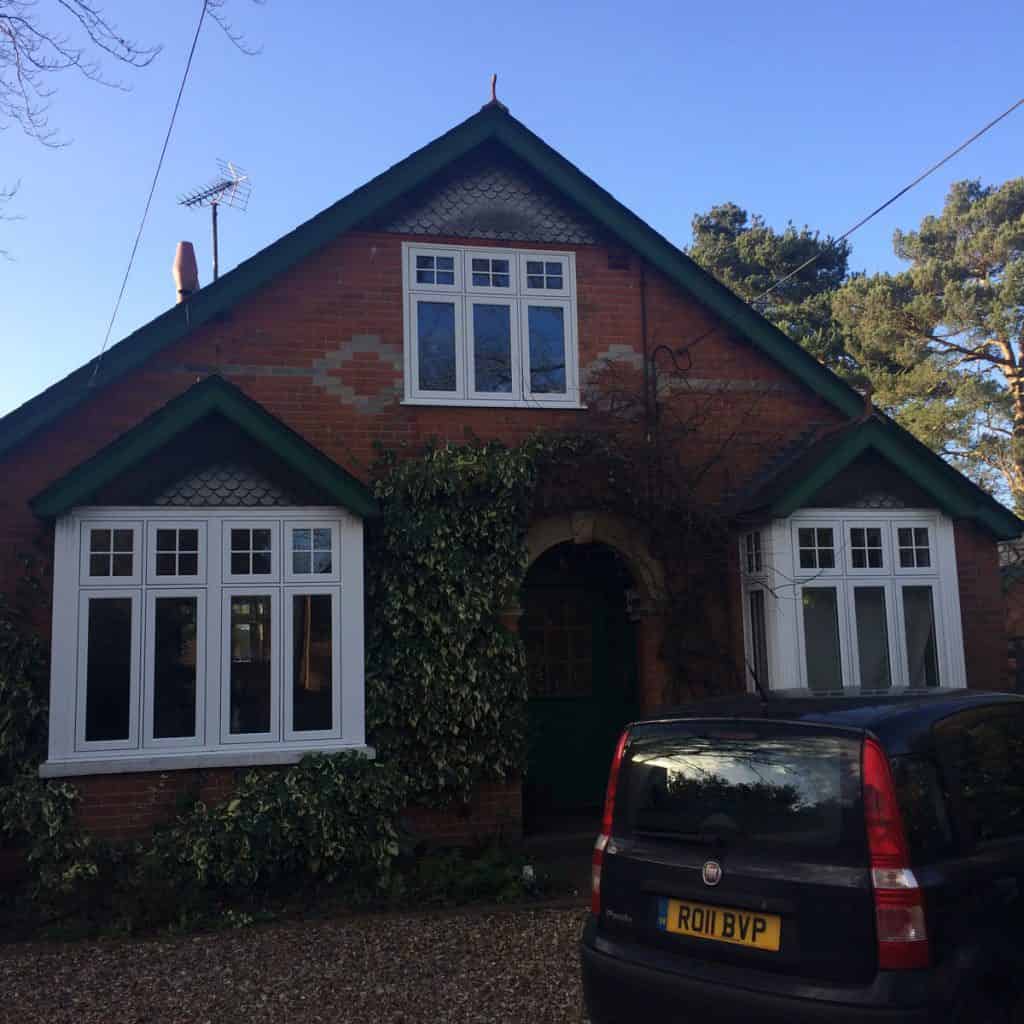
<point x="957" y="496"/>
<point x="212" y="395"/>
<point x="492" y="123"/>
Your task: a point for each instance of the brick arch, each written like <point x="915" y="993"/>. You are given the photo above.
<point x="622" y="535"/>
<point x="626" y="538"/>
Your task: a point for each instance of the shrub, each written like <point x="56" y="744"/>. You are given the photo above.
<point x="330" y="818"/>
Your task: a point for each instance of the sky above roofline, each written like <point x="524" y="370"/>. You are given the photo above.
<point x="799" y="128"/>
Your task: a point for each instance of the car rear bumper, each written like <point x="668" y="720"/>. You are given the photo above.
<point x="618" y="990"/>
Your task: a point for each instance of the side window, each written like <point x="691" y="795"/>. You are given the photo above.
<point x="983" y="751"/>
<point x="923" y="807"/>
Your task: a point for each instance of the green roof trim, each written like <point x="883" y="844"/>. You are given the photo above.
<point x="953" y="492"/>
<point x="492" y="123"/>
<point x="211" y="395"/>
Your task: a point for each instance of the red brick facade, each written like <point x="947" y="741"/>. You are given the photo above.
<point x="321" y="349"/>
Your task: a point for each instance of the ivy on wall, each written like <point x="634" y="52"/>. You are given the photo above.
<point x="446" y="682"/>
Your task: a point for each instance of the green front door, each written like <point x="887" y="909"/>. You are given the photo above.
<point x="581" y="661"/>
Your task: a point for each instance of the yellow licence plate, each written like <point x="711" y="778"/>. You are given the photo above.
<point x="721" y="924"/>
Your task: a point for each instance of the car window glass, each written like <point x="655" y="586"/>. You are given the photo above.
<point x="984" y="750"/>
<point x="765" y="786"/>
<point x="923" y="807"/>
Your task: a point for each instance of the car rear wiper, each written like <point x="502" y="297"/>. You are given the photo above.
<point x="704" y="838"/>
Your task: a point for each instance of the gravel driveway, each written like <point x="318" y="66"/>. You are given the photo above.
<point x="469" y="966"/>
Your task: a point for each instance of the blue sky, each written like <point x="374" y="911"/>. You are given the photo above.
<point x="814" y="112"/>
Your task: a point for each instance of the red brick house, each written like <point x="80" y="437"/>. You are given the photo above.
<point x="201" y="491"/>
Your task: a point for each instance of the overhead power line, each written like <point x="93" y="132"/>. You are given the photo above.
<point x="902" y="192"/>
<point x="152" y="190"/>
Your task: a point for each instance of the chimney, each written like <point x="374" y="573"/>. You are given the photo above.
<point x="184" y="271"/>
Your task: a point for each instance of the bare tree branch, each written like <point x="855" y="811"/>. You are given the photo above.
<point x="38" y="40"/>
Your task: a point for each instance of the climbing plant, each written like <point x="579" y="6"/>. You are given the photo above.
<point x="446" y="684"/>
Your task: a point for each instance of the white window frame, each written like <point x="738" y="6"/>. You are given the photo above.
<point x="414" y="391"/>
<point x="515" y="349"/>
<point x="571" y="363"/>
<point x="893" y="623"/>
<point x="290" y="593"/>
<point x="152" y="579"/>
<point x="313" y="578"/>
<point x="838" y="548"/>
<point x="86" y="596"/>
<point x="255" y="579"/>
<point x="137" y="554"/>
<point x="228" y="593"/>
<point x="846" y="650"/>
<point x="784" y="581"/>
<point x="213" y="745"/>
<point x="849" y="526"/>
<point x="914" y="570"/>
<point x="149" y="668"/>
<point x="463" y="294"/>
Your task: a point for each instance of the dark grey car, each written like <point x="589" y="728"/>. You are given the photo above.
<point x="813" y="859"/>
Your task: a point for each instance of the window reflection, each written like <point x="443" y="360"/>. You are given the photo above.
<point x="174" y="667"/>
<point x="312" y="662"/>
<point x="108" y="682"/>
<point x="250" y="664"/>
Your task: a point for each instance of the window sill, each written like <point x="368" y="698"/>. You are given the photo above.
<point x="494" y="403"/>
<point x="112" y="764"/>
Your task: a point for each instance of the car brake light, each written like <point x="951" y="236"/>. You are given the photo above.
<point x="597" y="861"/>
<point x="899" y="902"/>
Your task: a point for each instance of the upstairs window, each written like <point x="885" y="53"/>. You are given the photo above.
<point x="490" y="327"/>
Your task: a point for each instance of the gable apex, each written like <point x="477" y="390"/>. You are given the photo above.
<point x="492" y="125"/>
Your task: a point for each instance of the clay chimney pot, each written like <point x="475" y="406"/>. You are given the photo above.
<point x="184" y="271"/>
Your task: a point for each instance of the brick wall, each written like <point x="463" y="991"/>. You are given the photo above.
<point x="321" y="349"/>
<point x="982" y="608"/>
<point x="129" y="806"/>
<point x="494" y="810"/>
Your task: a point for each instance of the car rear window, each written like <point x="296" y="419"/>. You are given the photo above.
<point x="774" y="785"/>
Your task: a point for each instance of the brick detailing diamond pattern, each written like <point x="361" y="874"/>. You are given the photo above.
<point x="485" y="199"/>
<point x="224" y="483"/>
<point x="340" y="371"/>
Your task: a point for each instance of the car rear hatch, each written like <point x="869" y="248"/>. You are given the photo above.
<point x="744" y="843"/>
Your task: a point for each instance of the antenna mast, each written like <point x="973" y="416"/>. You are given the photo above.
<point x="231" y="187"/>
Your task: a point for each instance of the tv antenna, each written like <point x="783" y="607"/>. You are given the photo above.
<point x="231" y="188"/>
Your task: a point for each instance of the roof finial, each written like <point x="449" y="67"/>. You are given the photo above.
<point x="494" y="101"/>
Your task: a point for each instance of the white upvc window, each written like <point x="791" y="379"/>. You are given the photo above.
<point x="492" y="327"/>
<point x="853" y="600"/>
<point x="202" y="637"/>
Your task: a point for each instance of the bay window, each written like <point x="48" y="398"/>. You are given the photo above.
<point x="192" y="637"/>
<point x="838" y="599"/>
<point x="490" y="327"/>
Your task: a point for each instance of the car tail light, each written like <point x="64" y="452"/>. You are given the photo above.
<point x="597" y="861"/>
<point x="899" y="902"/>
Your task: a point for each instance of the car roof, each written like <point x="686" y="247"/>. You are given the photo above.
<point x="897" y="719"/>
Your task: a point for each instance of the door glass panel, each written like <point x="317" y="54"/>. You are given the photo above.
<point x="435" y="333"/>
<point x="312" y="662"/>
<point x="108" y="681"/>
<point x="821" y="638"/>
<point x="174" y="667"/>
<point x="759" y="637"/>
<point x="547" y="349"/>
<point x="492" y="348"/>
<point x="250" y="664"/>
<point x="872" y="637"/>
<point x="919" y="623"/>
